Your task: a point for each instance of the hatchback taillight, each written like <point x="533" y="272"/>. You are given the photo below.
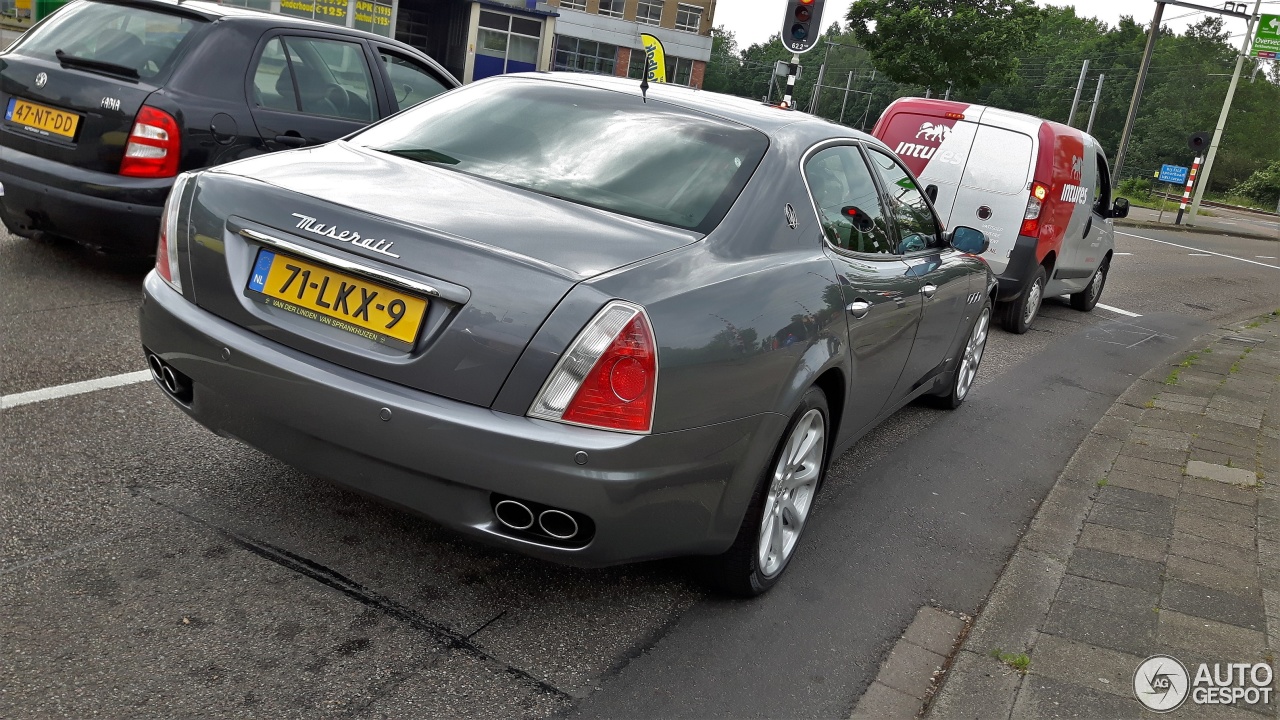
<point x="608" y="378"/>
<point x="154" y="145"/>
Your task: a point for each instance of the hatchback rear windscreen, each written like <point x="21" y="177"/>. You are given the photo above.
<point x="602" y="148"/>
<point x="115" y="39"/>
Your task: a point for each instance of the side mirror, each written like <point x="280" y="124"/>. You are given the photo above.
<point x="1120" y="209"/>
<point x="968" y="240"/>
<point x="931" y="191"/>
<point x="860" y="220"/>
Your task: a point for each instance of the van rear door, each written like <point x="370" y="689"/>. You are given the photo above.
<point x="993" y="189"/>
<point x="934" y="148"/>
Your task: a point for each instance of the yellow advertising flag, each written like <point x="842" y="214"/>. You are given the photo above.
<point x="655" y="58"/>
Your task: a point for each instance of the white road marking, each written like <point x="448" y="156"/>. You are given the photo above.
<point x="1207" y="252"/>
<point x="1197" y="254"/>
<point x="1265" y="257"/>
<point x="76" y="388"/>
<point x="1118" y="311"/>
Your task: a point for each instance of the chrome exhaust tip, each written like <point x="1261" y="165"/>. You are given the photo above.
<point x="514" y="515"/>
<point x="157" y="367"/>
<point x="558" y="524"/>
<point x="170" y="381"/>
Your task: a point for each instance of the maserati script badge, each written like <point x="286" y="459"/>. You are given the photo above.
<point x="42" y="79"/>
<point x="308" y="223"/>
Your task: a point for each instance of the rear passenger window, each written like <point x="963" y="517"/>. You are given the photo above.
<point x="999" y="162"/>
<point x="132" y="38"/>
<point x="916" y="225"/>
<point x="315" y="76"/>
<point x="847" y="200"/>
<point x="410" y="82"/>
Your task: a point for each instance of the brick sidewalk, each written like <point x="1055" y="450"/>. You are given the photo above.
<point x="1162" y="536"/>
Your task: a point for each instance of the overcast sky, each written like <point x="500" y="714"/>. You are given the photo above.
<point x="755" y="20"/>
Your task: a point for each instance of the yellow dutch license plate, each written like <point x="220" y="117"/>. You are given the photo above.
<point x="42" y="120"/>
<point x="364" y="308"/>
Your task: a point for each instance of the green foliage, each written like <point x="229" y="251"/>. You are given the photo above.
<point x="1017" y="661"/>
<point x="1263" y="186"/>
<point x="965" y="42"/>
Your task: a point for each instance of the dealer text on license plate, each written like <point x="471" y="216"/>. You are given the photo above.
<point x="337" y="299"/>
<point x="40" y="119"/>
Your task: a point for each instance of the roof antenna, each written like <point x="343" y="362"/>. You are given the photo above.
<point x="644" y="86"/>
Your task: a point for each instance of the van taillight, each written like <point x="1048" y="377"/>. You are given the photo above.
<point x="1031" y="218"/>
<point x="154" y="145"/>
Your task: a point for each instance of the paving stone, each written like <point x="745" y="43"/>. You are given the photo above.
<point x="1163" y="404"/>
<point x="1102" y="595"/>
<point x="1042" y="697"/>
<point x="1154" y="454"/>
<point x="1240" y="449"/>
<point x="1054" y="529"/>
<point x="1209" y="636"/>
<point x="1232" y="436"/>
<point x="1136" y="500"/>
<point x="1170" y="439"/>
<point x="1193" y="400"/>
<point x="1115" y="427"/>
<point x="910" y="668"/>
<point x="1159" y="524"/>
<point x="1244" y="611"/>
<point x="1129" y="629"/>
<point x="1269" y="552"/>
<point x="1222" y="473"/>
<point x="1269" y="507"/>
<point x="934" y="630"/>
<point x="1216" y="509"/>
<point x="1233" y="418"/>
<point x="1018" y="604"/>
<point x="1128" y="412"/>
<point x="976" y="687"/>
<point x="1228" y="557"/>
<point x="1161" y="419"/>
<point x="882" y="701"/>
<point x="1064" y="659"/>
<point x="1118" y="569"/>
<point x="1138" y="466"/>
<point x="1219" y="491"/>
<point x="1211" y="529"/>
<point x="1142" y="483"/>
<point x="1123" y="542"/>
<point x="1201" y="573"/>
<point x="1141" y="392"/>
<point x="1092" y="461"/>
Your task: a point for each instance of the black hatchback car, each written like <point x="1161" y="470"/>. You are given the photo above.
<point x="105" y="101"/>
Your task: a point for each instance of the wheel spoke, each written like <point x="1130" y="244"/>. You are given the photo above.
<point x="777" y="541"/>
<point x="807" y="443"/>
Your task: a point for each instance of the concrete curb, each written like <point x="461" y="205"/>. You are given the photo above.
<point x="978" y="685"/>
<point x="1201" y="230"/>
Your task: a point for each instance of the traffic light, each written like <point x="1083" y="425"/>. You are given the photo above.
<point x="802" y="25"/>
<point x="1199" y="142"/>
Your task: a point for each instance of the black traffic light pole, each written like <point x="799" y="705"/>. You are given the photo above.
<point x="803" y="16"/>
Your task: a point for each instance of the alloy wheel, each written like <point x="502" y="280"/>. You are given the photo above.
<point x="791" y="493"/>
<point x="1035" y="294"/>
<point x="972" y="357"/>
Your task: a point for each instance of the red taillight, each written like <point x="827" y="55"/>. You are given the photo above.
<point x="1031" y="218"/>
<point x="608" y="377"/>
<point x="167" y="247"/>
<point x="153" y="147"/>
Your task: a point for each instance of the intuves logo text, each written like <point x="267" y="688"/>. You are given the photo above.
<point x="308" y="223"/>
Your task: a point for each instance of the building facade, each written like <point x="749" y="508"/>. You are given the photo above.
<point x="475" y="39"/>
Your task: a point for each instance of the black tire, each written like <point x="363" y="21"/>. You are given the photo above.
<point x="1086" y="299"/>
<point x="737" y="572"/>
<point x="1019" y="314"/>
<point x="961" y="381"/>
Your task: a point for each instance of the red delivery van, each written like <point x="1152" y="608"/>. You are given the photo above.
<point x="1040" y="190"/>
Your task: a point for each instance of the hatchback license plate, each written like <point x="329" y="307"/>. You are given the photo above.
<point x="367" y="309"/>
<point x="42" y="120"/>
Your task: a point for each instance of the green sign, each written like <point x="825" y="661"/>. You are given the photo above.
<point x="1266" y="42"/>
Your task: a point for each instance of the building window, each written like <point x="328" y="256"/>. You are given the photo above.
<point x="649" y="12"/>
<point x="578" y="55"/>
<point x="573" y="4"/>
<point x="688" y="18"/>
<point x="506" y="44"/>
<point x="679" y="70"/>
<point x="611" y="8"/>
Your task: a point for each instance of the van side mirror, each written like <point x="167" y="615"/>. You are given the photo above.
<point x="968" y="240"/>
<point x="931" y="191"/>
<point x="1120" y="209"/>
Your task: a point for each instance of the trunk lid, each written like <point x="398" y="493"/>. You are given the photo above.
<point x="79" y="108"/>
<point x="500" y="258"/>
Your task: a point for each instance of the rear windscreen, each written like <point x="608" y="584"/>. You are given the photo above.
<point x="610" y="150"/>
<point x="127" y="38"/>
<point x="999" y="162"/>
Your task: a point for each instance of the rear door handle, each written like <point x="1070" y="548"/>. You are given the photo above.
<point x="859" y="308"/>
<point x="928" y="290"/>
<point x="293" y="141"/>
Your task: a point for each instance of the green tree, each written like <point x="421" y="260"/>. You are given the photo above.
<point x="724" y="64"/>
<point x="933" y="42"/>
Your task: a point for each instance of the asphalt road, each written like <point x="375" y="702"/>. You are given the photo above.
<point x="151" y="569"/>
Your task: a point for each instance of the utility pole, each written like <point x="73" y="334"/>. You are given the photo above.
<point x="1093" y="111"/>
<point x="1137" y="93"/>
<point x="844" y="102"/>
<point x="867" y="112"/>
<point x="1222" y="118"/>
<point x="813" y="101"/>
<point x="1084" y="70"/>
<point x="948" y="95"/>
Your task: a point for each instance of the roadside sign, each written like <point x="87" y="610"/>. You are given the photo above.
<point x="1266" y="41"/>
<point x="1175" y="174"/>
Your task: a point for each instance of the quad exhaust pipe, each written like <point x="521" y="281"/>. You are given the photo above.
<point x="174" y="382"/>
<point x="540" y="520"/>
